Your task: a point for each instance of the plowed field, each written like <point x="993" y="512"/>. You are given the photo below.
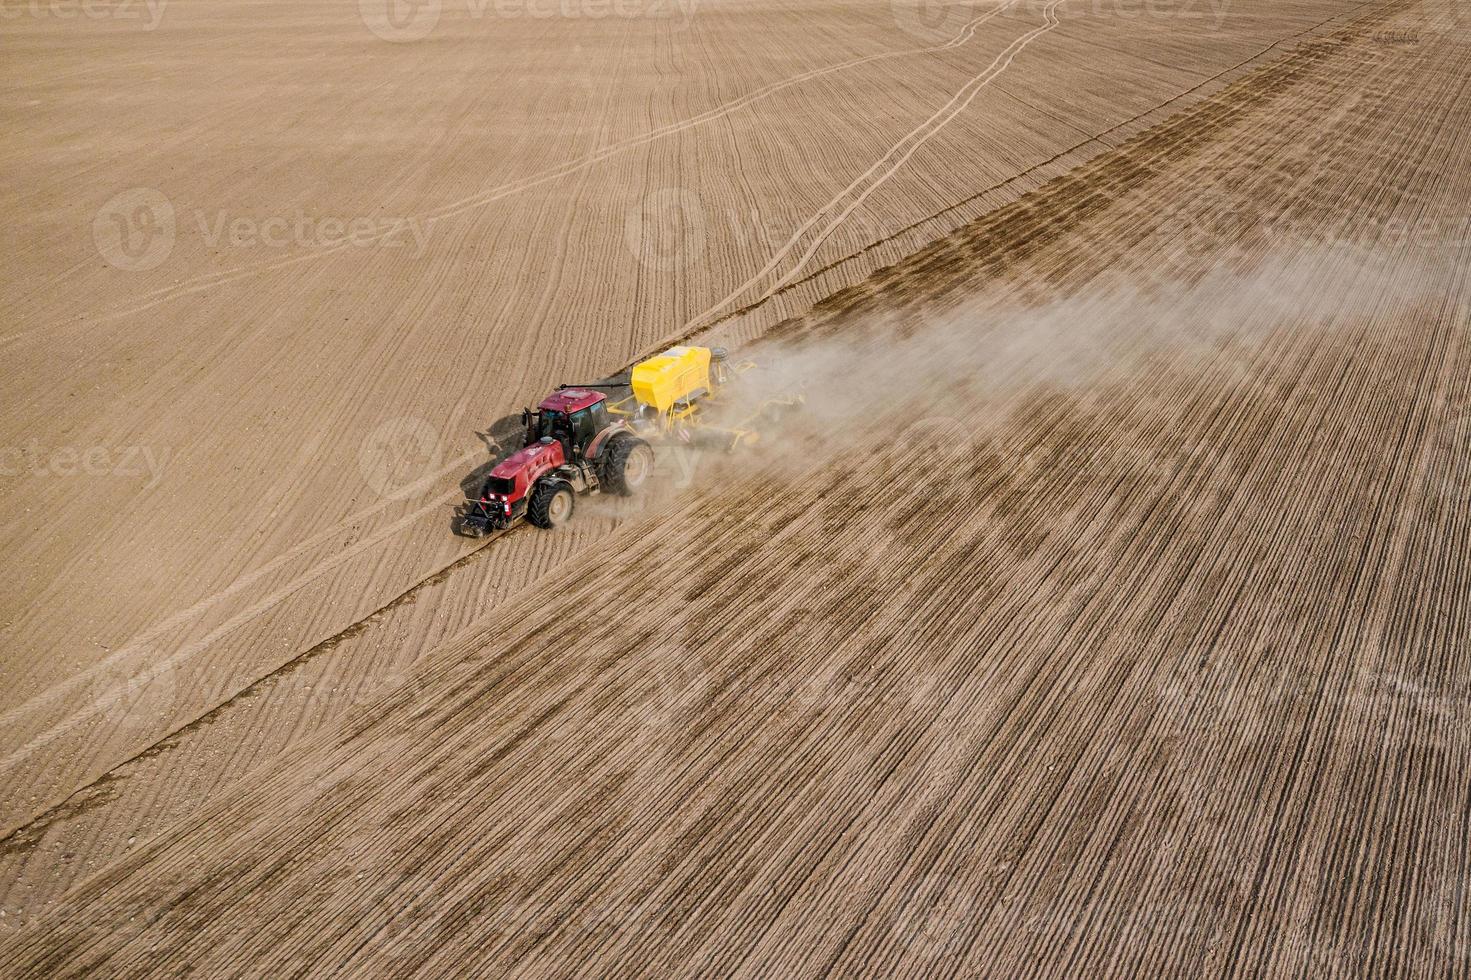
<point x="1105" y="611"/>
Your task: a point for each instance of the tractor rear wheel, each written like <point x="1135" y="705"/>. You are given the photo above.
<point x="552" y="503"/>
<point x="627" y="464"/>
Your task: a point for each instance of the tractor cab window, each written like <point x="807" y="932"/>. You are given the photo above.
<point x="599" y="415"/>
<point x="588" y="422"/>
<point x="547" y="424"/>
<point x="556" y="425"/>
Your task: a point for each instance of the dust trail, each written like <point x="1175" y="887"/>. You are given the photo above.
<point x="985" y="350"/>
<point x="962" y="371"/>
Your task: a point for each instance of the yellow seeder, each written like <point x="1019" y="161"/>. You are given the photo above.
<point x="681" y="392"/>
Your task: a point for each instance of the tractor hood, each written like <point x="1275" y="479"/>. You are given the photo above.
<point x="538" y="456"/>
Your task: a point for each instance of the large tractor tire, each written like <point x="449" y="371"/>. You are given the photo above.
<point x="627" y="464"/>
<point x="552" y="503"/>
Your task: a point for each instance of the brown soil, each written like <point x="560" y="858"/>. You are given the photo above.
<point x="1105" y="613"/>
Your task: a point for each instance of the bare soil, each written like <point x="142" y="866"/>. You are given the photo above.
<point x="1106" y="612"/>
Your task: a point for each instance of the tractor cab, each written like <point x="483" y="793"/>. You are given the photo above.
<point x="572" y="416"/>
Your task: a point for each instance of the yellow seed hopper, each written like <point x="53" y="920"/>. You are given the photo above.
<point x="679" y="375"/>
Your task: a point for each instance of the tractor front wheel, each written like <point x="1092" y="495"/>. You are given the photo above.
<point x="551" y="504"/>
<point x="627" y="464"/>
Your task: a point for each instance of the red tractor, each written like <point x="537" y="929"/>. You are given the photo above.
<point x="573" y="446"/>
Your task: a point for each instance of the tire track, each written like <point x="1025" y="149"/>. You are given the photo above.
<point x="909" y="145"/>
<point x="523" y="184"/>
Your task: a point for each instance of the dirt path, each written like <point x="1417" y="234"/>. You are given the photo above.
<point x="1165" y="674"/>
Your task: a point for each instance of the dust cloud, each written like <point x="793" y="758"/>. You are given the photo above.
<point x="986" y="351"/>
<point x="944" y="381"/>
